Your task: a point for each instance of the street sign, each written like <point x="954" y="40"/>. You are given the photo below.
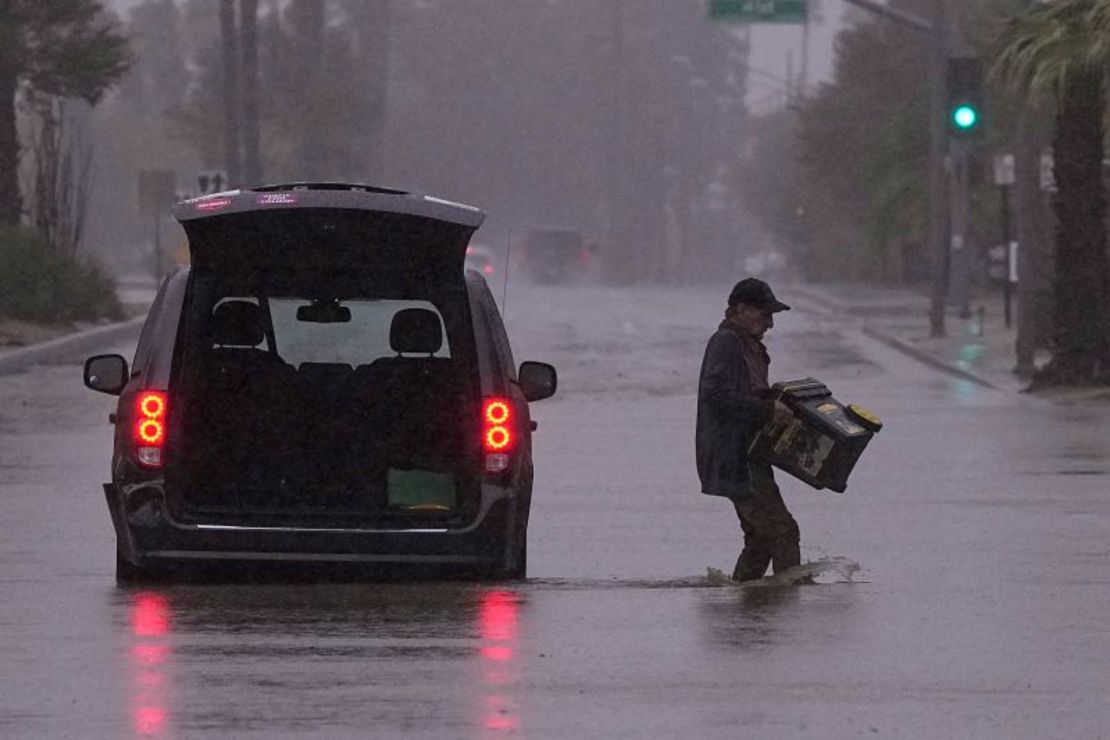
<point x="211" y="181"/>
<point x="1004" y="169"/>
<point x="759" y="11"/>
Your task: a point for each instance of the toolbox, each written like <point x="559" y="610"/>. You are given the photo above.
<point x="822" y="442"/>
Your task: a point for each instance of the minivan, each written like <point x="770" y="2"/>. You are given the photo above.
<point x="323" y="385"/>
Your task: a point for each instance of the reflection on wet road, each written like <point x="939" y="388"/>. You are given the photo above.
<point x="436" y="659"/>
<point x="979" y="520"/>
<point x="285" y="659"/>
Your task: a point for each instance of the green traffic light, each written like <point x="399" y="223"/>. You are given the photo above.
<point x="965" y="117"/>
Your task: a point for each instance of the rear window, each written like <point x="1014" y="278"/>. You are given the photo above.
<point x="359" y="335"/>
<point x="359" y="341"/>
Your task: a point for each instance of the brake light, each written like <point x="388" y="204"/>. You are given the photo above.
<point x="498" y="433"/>
<point x="150" y="428"/>
<point x="213" y="204"/>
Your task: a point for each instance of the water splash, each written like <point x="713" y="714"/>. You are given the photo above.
<point x="825" y="570"/>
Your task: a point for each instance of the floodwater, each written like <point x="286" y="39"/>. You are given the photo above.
<point x="963" y="579"/>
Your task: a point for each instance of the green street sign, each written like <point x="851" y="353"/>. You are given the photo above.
<point x="759" y="11"/>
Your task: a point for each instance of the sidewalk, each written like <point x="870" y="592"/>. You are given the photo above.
<point x="45" y="345"/>
<point x="980" y="348"/>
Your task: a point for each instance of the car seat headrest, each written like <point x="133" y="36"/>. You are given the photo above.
<point x="237" y="324"/>
<point x="415" y="330"/>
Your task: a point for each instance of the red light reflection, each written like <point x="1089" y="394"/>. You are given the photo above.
<point x="498" y="715"/>
<point x="497" y="653"/>
<point x="497" y="624"/>
<point x="150" y="615"/>
<point x="497" y="617"/>
<point x="150" y="652"/>
<point x="149" y="720"/>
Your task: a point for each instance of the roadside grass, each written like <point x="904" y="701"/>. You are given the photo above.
<point x="38" y="284"/>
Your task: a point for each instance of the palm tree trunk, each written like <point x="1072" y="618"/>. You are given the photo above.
<point x="230" y="49"/>
<point x="308" y="18"/>
<point x="1080" y="205"/>
<point x="1035" y="225"/>
<point x="11" y="204"/>
<point x="248" y="33"/>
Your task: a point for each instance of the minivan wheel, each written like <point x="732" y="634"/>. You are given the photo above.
<point x="515" y="566"/>
<point x="127" y="572"/>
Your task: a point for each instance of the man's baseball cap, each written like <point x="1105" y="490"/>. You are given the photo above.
<point x="757" y="294"/>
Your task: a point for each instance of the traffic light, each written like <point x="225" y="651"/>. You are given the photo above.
<point x="965" y="96"/>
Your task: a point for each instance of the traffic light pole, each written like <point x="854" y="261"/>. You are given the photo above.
<point x="936" y="30"/>
<point x="939" y="207"/>
<point x="1007" y="241"/>
<point x="959" y="288"/>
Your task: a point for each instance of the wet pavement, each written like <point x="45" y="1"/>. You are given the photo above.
<point x="978" y="519"/>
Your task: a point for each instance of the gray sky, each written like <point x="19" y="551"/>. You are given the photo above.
<point x="777" y="47"/>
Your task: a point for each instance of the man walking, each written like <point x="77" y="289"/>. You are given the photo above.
<point x="733" y="406"/>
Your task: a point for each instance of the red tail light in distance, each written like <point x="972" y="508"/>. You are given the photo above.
<point x="498" y="433"/>
<point x="149" y="429"/>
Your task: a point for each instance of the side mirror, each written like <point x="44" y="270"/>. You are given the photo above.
<point x="537" y="380"/>
<point x="106" y="373"/>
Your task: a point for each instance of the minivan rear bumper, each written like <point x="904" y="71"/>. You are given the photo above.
<point x="149" y="536"/>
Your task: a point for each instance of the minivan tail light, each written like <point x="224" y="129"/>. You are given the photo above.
<point x="149" y="428"/>
<point x="498" y="433"/>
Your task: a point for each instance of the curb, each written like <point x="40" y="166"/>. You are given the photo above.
<point x="883" y="307"/>
<point x="927" y="358"/>
<point x="900" y="345"/>
<point x="70" y="348"/>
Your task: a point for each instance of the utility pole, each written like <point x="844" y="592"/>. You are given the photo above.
<point x="617" y="262"/>
<point x="1011" y="254"/>
<point x="962" y="72"/>
<point x="960" y="210"/>
<point x="939" y="215"/>
<point x="936" y="30"/>
<point x="229" y="45"/>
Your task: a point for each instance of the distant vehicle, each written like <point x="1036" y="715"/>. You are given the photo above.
<point x="556" y="255"/>
<point x="481" y="259"/>
<point x="322" y="385"/>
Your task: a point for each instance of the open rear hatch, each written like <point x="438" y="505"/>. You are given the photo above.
<point x="326" y="372"/>
<point x="307" y="227"/>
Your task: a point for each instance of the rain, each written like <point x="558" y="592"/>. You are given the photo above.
<point x="605" y="174"/>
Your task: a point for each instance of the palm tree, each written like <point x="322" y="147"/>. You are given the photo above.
<point x="64" y="48"/>
<point x="229" y="46"/>
<point x="248" y="34"/>
<point x="1058" y="50"/>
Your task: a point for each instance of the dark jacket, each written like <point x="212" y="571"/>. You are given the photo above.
<point x="729" y="414"/>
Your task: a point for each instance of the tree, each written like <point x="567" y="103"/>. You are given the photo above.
<point x="65" y="48"/>
<point x="59" y="186"/>
<point x="859" y="210"/>
<point x="1059" y="50"/>
<point x="308" y="22"/>
<point x="248" y="34"/>
<point x="229" y="57"/>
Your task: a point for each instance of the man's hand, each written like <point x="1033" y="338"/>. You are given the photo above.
<point x="782" y="414"/>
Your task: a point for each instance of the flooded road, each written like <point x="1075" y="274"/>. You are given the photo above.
<point x="978" y="520"/>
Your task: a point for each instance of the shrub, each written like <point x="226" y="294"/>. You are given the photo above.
<point x="39" y="284"/>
